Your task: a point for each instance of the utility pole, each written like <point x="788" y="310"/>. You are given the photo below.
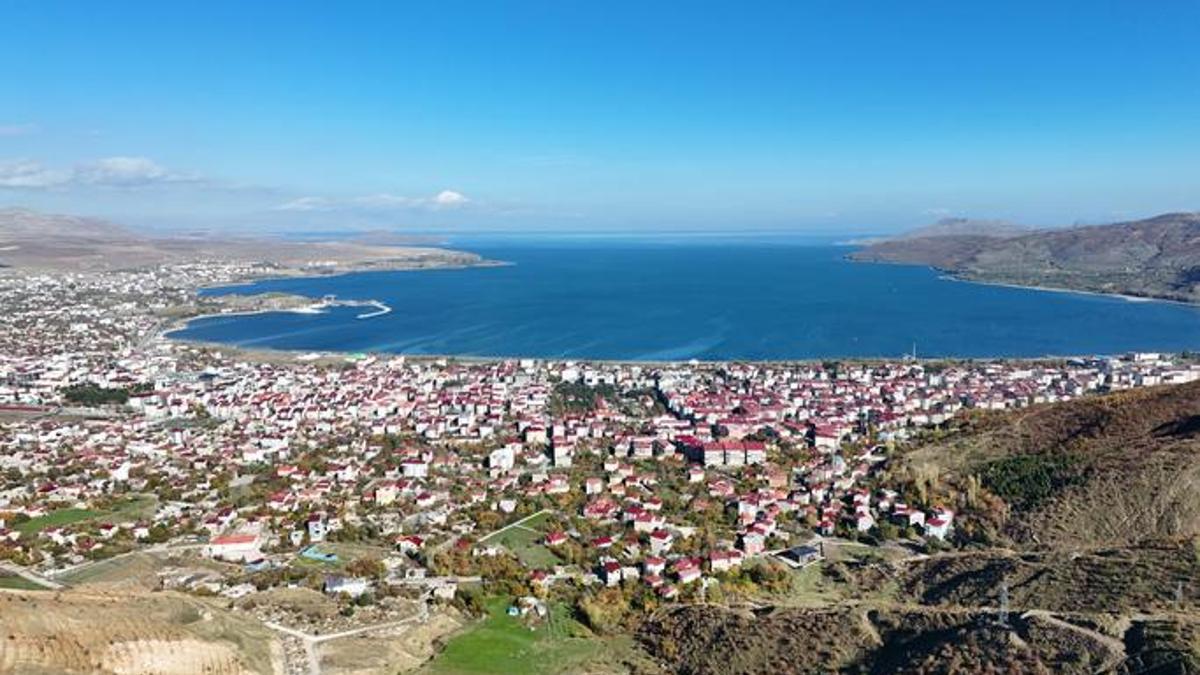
<point x="1003" y="616"/>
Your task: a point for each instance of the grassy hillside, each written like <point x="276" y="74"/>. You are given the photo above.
<point x="1110" y="471"/>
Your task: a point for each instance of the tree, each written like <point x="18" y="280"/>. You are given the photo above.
<point x="90" y="394"/>
<point x="367" y="567"/>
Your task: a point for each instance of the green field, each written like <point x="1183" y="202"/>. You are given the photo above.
<point x="131" y="509"/>
<point x="538" y="522"/>
<point x="54" y="519"/>
<point x="525" y="541"/>
<point x="14" y="582"/>
<point x="345" y="552"/>
<point x="527" y="546"/>
<point x="504" y="644"/>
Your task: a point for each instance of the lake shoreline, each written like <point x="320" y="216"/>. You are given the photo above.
<point x="953" y="275"/>
<point x="638" y="305"/>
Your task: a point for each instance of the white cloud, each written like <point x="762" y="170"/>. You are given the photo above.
<point x="450" y="198"/>
<point x="24" y="173"/>
<point x="306" y="204"/>
<point x="9" y="130"/>
<point x="107" y="172"/>
<point x="385" y="201"/>
<point x="446" y="199"/>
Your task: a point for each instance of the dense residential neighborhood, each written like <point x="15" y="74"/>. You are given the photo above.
<point x="430" y="472"/>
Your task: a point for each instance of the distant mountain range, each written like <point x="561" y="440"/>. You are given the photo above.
<point x="1157" y="257"/>
<point x="967" y="227"/>
<point x="33" y="240"/>
<point x="19" y="223"/>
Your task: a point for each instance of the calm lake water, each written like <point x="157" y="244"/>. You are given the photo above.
<point x="711" y="300"/>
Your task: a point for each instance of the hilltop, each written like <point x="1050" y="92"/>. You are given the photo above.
<point x="39" y="241"/>
<point x="22" y="224"/>
<point x="967" y="227"/>
<point x="1157" y="257"/>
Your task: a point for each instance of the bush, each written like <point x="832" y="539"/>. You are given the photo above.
<point x="605" y="611"/>
<point x="1026" y="481"/>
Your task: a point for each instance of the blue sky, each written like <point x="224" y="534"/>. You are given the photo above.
<point x="839" y="116"/>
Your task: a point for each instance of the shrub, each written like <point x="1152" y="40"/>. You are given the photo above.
<point x="1025" y="481"/>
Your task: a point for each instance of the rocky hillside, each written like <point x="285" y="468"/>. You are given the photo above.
<point x="1157" y="257"/>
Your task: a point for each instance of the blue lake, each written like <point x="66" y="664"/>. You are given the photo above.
<point x="712" y="300"/>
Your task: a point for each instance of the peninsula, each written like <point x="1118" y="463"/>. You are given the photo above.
<point x="1156" y="257"/>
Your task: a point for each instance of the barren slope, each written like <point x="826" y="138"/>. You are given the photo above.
<point x="78" y="632"/>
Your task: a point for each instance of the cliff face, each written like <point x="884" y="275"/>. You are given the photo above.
<point x="1158" y="257"/>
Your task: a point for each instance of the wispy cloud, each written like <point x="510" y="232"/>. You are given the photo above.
<point x="446" y="199"/>
<point x="10" y="130"/>
<point x="27" y="174"/>
<point x="117" y="172"/>
<point x="306" y="204"/>
<point x="129" y="172"/>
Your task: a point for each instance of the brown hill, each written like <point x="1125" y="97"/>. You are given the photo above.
<point x="32" y="240"/>
<point x="700" y="640"/>
<point x="1156" y="257"/>
<point x="1101" y="471"/>
<point x="1152" y="578"/>
<point x="75" y="632"/>
<point x="17" y="224"/>
<point x="967" y="227"/>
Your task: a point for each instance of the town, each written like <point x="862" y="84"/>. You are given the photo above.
<point x="367" y="476"/>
